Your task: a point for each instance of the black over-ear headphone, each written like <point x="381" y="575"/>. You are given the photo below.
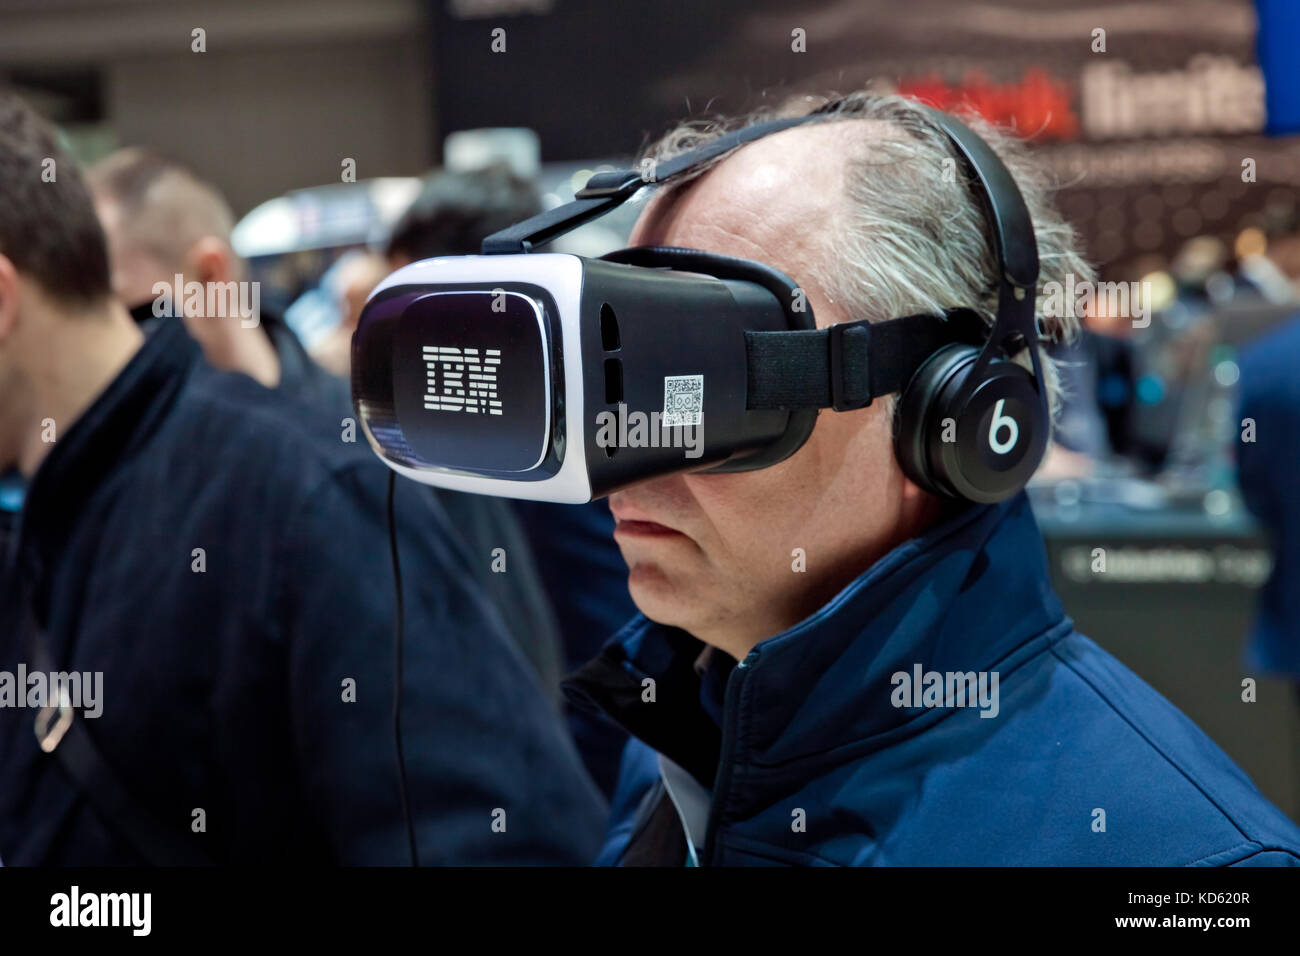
<point x="972" y="424"/>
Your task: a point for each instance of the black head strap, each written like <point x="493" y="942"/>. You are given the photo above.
<point x="848" y="365"/>
<point x="608" y="190"/>
<point x="856" y="362"/>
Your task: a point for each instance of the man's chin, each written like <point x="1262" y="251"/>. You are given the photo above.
<point x="660" y="596"/>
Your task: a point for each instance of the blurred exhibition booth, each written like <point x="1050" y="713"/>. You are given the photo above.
<point x="1173" y="141"/>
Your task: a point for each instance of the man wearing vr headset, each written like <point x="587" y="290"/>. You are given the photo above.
<point x="849" y="652"/>
<point x="832" y="593"/>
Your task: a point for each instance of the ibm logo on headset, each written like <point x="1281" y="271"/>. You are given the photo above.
<point x="460" y="381"/>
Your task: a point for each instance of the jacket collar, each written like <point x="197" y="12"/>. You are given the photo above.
<point x="89" y="451"/>
<point x="962" y="597"/>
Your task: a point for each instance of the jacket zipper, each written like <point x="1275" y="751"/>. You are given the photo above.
<point x="722" y="783"/>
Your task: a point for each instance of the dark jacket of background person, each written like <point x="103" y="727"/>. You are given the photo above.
<point x="571" y="555"/>
<point x="482" y="525"/>
<point x="300" y="377"/>
<point x="585" y="577"/>
<point x="488" y="529"/>
<point x="1268" y="471"/>
<point x="809" y="761"/>
<point x="223" y="690"/>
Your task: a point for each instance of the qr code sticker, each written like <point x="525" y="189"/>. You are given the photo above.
<point x="683" y="400"/>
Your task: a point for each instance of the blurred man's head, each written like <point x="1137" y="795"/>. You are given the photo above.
<point x="163" y="221"/>
<point x="356" y="276"/>
<point x="455" y="211"/>
<point x="452" y="215"/>
<point x="62" y="336"/>
<point x="860" y="214"/>
<point x="160" y="220"/>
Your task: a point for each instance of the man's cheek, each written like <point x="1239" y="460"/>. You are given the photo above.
<point x="738" y="501"/>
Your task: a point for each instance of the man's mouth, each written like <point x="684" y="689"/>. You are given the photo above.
<point x="633" y="522"/>
<point x="643" y="529"/>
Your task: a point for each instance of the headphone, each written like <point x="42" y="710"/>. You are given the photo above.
<point x="972" y="423"/>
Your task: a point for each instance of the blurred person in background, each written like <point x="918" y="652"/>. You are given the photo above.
<point x="1096" y="373"/>
<point x="1269" y="257"/>
<point x="222" y="563"/>
<point x="455" y="211"/>
<point x="162" y="221"/>
<point x="1268" y="473"/>
<point x="1268" y="465"/>
<point x="357" y="275"/>
<point x="580" y="567"/>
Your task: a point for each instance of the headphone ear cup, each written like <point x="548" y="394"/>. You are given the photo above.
<point x="916" y="414"/>
<point x="986" y="449"/>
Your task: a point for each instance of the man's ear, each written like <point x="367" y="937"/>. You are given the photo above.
<point x="913" y="494"/>
<point x="10" y="294"/>
<point x="212" y="260"/>
<point x="911" y="490"/>
<point x="920" y="508"/>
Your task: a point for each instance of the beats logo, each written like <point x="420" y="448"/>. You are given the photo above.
<point x="997" y="424"/>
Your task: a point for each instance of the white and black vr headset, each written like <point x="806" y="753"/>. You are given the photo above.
<point x="502" y="373"/>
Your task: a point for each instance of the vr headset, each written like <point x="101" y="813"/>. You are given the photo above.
<point x="517" y="374"/>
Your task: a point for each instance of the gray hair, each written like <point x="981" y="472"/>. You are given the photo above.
<point x="914" y="237"/>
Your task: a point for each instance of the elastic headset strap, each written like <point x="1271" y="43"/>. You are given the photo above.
<point x="607" y="191"/>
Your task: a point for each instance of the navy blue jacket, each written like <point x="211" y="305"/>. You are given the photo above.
<point x="585" y="577"/>
<point x="1268" y="471"/>
<point x="809" y="761"/>
<point x="224" y="690"/>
